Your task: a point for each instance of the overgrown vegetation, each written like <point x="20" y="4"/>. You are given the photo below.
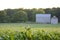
<point x="23" y="31"/>
<point x="23" y="15"/>
<point x="29" y="34"/>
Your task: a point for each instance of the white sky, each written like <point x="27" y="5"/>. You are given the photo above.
<point x="4" y="4"/>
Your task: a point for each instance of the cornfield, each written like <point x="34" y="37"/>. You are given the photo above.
<point x="27" y="34"/>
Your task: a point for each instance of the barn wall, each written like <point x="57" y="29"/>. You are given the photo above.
<point x="43" y="18"/>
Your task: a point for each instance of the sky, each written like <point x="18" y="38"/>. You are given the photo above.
<point x="5" y="4"/>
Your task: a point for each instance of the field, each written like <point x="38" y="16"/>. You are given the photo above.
<point x="21" y="26"/>
<point x="29" y="31"/>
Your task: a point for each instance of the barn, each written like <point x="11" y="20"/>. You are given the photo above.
<point x="43" y="18"/>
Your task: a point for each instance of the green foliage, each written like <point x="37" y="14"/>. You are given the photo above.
<point x="3" y="16"/>
<point x="23" y="15"/>
<point x="29" y="35"/>
<point x="36" y="11"/>
<point x="20" y="16"/>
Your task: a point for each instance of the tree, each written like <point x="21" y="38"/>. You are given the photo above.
<point x="36" y="11"/>
<point x="20" y="16"/>
<point x="3" y="16"/>
<point x="40" y="11"/>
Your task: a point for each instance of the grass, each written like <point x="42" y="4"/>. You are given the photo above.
<point x="18" y="31"/>
<point x="25" y="24"/>
<point x="21" y="26"/>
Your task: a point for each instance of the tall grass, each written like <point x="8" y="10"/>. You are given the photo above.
<point x="29" y="34"/>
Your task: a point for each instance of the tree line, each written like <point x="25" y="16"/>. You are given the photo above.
<point x="26" y="15"/>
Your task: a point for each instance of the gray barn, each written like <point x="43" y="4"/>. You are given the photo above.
<point x="43" y="18"/>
